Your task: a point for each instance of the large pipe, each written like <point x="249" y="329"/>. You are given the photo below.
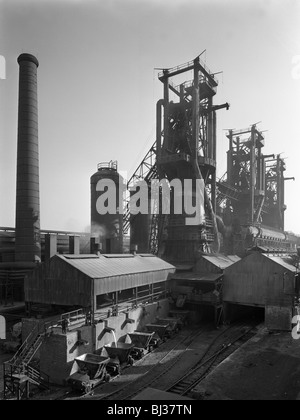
<point x="195" y="163"/>
<point x="28" y="246"/>
<point x="159" y="106"/>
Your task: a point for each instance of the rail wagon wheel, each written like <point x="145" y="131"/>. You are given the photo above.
<point x="88" y="388"/>
<point x="130" y="361"/>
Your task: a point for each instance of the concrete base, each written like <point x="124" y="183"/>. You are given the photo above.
<point x="58" y="351"/>
<point x="279" y="318"/>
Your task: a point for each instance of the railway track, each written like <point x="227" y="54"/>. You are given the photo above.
<point x="218" y="350"/>
<point x="214" y="355"/>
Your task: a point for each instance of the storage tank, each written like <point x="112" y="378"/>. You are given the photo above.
<point x="106" y="208"/>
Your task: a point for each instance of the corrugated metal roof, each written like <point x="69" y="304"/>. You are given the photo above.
<point x="285" y="262"/>
<point x="222" y="261"/>
<point x="184" y="267"/>
<point x="233" y="258"/>
<point x="99" y="267"/>
<point x="118" y="255"/>
<point x="80" y="257"/>
<point x="204" y="277"/>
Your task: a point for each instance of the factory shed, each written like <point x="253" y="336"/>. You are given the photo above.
<point x="263" y="281"/>
<point x="82" y="280"/>
<point x="198" y="292"/>
<point x="215" y="263"/>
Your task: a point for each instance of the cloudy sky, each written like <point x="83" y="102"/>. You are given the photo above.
<point x="98" y="86"/>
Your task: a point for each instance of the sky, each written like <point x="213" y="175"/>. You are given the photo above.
<point x="98" y="86"/>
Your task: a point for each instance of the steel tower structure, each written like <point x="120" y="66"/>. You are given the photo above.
<point x="250" y="196"/>
<point x="186" y="149"/>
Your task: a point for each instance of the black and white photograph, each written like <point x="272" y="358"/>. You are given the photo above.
<point x="149" y="219"/>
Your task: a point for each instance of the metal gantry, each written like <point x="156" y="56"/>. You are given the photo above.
<point x="251" y="193"/>
<point x="147" y="170"/>
<point x="185" y="148"/>
<point x="253" y="186"/>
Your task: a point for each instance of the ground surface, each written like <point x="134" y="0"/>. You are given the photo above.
<point x="265" y="368"/>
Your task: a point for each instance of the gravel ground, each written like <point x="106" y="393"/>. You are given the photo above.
<point x="265" y="368"/>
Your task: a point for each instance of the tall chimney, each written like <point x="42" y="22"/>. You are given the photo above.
<point x="28" y="245"/>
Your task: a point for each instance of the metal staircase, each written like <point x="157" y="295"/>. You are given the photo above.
<point x="147" y="170"/>
<point x="38" y="378"/>
<point x="18" y="372"/>
<point x="30" y="350"/>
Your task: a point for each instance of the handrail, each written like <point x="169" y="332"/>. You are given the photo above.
<point x="39" y="329"/>
<point x="22" y="348"/>
<point x="187" y="65"/>
<point x="190" y="83"/>
<point x="112" y="164"/>
<point x="177" y="68"/>
<point x="140" y="300"/>
<point x="68" y="315"/>
<point x="45" y="231"/>
<point x="39" y="376"/>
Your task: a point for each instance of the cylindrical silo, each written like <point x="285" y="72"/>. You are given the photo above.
<point x="106" y="196"/>
<point x="28" y="245"/>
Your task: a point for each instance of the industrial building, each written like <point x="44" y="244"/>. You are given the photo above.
<point x="200" y="290"/>
<point x="236" y="255"/>
<point x="266" y="281"/>
<point x="91" y="282"/>
<point x="121" y="292"/>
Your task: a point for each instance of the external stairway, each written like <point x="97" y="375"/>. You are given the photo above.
<point x="18" y="372"/>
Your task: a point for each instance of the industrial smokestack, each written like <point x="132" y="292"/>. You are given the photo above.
<point x="28" y="246"/>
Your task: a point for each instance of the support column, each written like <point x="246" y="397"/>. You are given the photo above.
<point x="166" y="111"/>
<point x="74" y="245"/>
<point x="252" y="173"/>
<point x="230" y="159"/>
<point x="210" y="131"/>
<point x="159" y="106"/>
<point x="50" y="247"/>
<point x="196" y="117"/>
